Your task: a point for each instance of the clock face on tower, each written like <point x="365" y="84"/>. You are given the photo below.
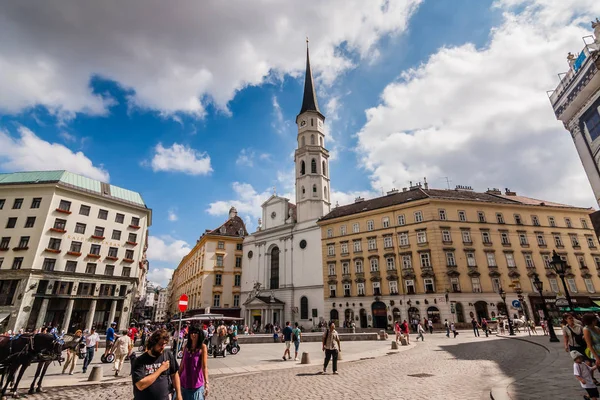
<point x="302" y="123"/>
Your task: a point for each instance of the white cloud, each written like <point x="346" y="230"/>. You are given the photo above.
<point x="246" y="158"/>
<point x="180" y="158"/>
<point x="279" y="124"/>
<point x="481" y="116"/>
<point x="160" y="276"/>
<point x="176" y="57"/>
<point x="247" y="201"/>
<point x="67" y="137"/>
<point x="167" y="249"/>
<point x="30" y="153"/>
<point x="172" y="215"/>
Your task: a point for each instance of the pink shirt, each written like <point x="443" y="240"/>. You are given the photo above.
<point x="193" y="375"/>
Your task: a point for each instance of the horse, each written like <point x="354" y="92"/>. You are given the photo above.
<point x="20" y="352"/>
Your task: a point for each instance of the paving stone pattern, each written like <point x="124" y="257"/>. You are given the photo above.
<point x="462" y="368"/>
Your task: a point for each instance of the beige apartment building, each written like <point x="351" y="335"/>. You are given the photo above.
<point x="72" y="251"/>
<point x="444" y="254"/>
<point x="211" y="274"/>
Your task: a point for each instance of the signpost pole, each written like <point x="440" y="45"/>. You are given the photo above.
<point x="178" y="334"/>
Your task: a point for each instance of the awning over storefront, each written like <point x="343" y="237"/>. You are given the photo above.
<point x="596" y="302"/>
<point x="582" y="309"/>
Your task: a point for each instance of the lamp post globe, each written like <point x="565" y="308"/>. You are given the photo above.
<point x="560" y="267"/>
<point x="502" y="294"/>
<point x="539" y="286"/>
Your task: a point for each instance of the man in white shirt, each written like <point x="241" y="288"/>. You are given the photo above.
<point x="91" y="344"/>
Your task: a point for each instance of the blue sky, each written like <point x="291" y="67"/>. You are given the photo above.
<point x="194" y="106"/>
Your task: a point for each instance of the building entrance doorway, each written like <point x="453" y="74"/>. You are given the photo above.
<point x="481" y="310"/>
<point x="379" y="310"/>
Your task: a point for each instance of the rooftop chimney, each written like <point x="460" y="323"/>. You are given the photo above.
<point x="425" y="184"/>
<point x="463" y="188"/>
<point x="493" y="191"/>
<point x="393" y="191"/>
<point x="404" y="189"/>
<point x="359" y="199"/>
<point x="508" y="192"/>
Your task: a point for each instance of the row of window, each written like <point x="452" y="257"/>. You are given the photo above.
<point x="217" y="300"/>
<point x="76" y="246"/>
<point x="313" y="167"/>
<point x="191" y="268"/>
<point x="83" y="289"/>
<point x="50" y="264"/>
<point x="429" y="286"/>
<point x="314" y="191"/>
<point x="65" y="205"/>
<point x="425" y="262"/>
<point x="237" y="280"/>
<point x="462" y="217"/>
<point x="486" y="237"/>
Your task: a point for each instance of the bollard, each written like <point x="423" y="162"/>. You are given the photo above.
<point x="403" y="341"/>
<point x="394" y="345"/>
<point x="305" y="358"/>
<point x="96" y="374"/>
<point x="382" y="335"/>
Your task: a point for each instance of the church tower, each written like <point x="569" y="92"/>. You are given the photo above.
<point x="311" y="157"/>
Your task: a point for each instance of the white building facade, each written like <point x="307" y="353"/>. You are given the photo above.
<point x="282" y="263"/>
<point x="160" y="310"/>
<point x="576" y="102"/>
<point x="72" y="251"/>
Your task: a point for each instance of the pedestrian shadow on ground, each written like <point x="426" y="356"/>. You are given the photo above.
<point x="310" y="373"/>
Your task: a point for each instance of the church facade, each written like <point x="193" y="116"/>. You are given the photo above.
<point x="282" y="262"/>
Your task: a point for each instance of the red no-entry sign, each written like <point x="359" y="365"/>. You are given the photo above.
<point x="183" y="302"/>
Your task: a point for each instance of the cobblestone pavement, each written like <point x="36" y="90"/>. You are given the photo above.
<point x="463" y="368"/>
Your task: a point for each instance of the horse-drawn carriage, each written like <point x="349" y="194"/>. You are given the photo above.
<point x="18" y="352"/>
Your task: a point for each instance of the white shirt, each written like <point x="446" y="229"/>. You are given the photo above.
<point x="91" y="340"/>
<point x="584" y="371"/>
<point x="430" y="323"/>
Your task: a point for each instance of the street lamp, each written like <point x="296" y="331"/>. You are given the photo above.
<point x="519" y="293"/>
<point x="560" y="267"/>
<point x="539" y="286"/>
<point x="502" y="294"/>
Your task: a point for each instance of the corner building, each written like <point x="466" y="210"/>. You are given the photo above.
<point x="576" y="102"/>
<point x="72" y="251"/>
<point x="444" y="254"/>
<point x="282" y="259"/>
<point x="211" y="273"/>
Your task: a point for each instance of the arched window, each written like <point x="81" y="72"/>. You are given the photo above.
<point x="302" y="168"/>
<point x="313" y="166"/>
<point x="460" y="313"/>
<point x="303" y="191"/>
<point x="274" y="281"/>
<point x="325" y="191"/>
<point x="314" y="190"/>
<point x="312" y="122"/>
<point x="312" y="139"/>
<point x="334" y="316"/>
<point x="433" y="313"/>
<point x="303" y="141"/>
<point x="303" y="307"/>
<point x="324" y="169"/>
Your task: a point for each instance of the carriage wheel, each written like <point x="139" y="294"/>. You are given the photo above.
<point x="234" y="350"/>
<point x="110" y="358"/>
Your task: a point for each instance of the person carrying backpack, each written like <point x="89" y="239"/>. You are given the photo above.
<point x="296" y="335"/>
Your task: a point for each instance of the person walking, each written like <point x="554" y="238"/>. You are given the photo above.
<point x="447" y="326"/>
<point x="155" y="374"/>
<point x="132" y="333"/>
<point x="287" y="339"/>
<point x="397" y="330"/>
<point x="532" y="326"/>
<point x="484" y="326"/>
<point x="193" y="370"/>
<point x="353" y="327"/>
<point x="583" y="373"/>
<point x="475" y="327"/>
<point x="543" y="325"/>
<point x="296" y="336"/>
<point x="110" y="338"/>
<point x="420" y="332"/>
<point x="72" y="353"/>
<point x="573" y="335"/>
<point x="430" y="325"/>
<point x="405" y="331"/>
<point x="331" y="347"/>
<point x="91" y="344"/>
<point x="121" y="349"/>
<point x="591" y="334"/>
<point x="453" y="329"/>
